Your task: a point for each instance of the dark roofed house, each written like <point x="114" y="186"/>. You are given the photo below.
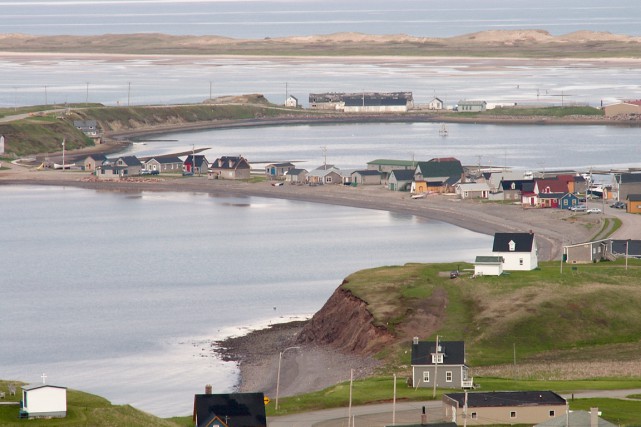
<point x="400" y="180"/>
<point x="503" y="407"/>
<point x="629" y="183"/>
<point x="229" y="410"/>
<point x="230" y="167"/>
<point x="366" y="177"/>
<point x="440" y="174"/>
<point x="619" y="248"/>
<point x="451" y="371"/>
<point x="201" y="165"/>
<point x="164" y="164"/>
<point x="518" y="250"/>
<point x="88" y="127"/>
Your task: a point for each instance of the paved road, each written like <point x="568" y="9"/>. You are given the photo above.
<point x="406" y="412"/>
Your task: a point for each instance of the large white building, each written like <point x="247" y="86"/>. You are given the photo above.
<point x="518" y="250"/>
<point x="43" y="401"/>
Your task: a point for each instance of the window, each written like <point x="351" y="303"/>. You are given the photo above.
<point x="551" y="413"/>
<point x="448" y="376"/>
<point x="520" y="261"/>
<point x="437" y="357"/>
<point x="474" y="416"/>
<point x="426" y="376"/>
<point x="512" y="414"/>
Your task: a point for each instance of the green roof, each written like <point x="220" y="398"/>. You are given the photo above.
<point x="441" y="167"/>
<point x="488" y="260"/>
<point x="388" y="162"/>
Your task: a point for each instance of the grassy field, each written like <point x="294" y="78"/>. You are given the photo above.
<point x="542" y="313"/>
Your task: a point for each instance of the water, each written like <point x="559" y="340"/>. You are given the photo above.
<point x="351" y="146"/>
<point x="119" y="294"/>
<point x="259" y="19"/>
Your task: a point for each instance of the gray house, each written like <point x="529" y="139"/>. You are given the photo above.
<point x="164" y="164"/>
<point x="629" y="183"/>
<point x="94" y="161"/>
<point x="296" y="176"/>
<point x="278" y="170"/>
<point x="400" y="180"/>
<point x="588" y="252"/>
<point x="366" y="177"/>
<point x="445" y="364"/>
<point x="471" y="106"/>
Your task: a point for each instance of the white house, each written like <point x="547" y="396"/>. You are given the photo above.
<point x="518" y="250"/>
<point x="436" y="104"/>
<point x="291" y="101"/>
<point x="43" y="401"/>
<point x="488" y="266"/>
<point x="473" y="190"/>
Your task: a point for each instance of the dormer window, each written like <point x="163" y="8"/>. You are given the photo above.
<point x="437" y="357"/>
<point x="511" y="246"/>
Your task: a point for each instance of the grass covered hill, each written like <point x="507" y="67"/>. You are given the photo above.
<point x="580" y="314"/>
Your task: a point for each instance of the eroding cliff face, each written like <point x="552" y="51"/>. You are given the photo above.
<point x="345" y="323"/>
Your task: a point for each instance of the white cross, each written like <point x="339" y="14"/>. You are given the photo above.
<point x="44" y="377"/>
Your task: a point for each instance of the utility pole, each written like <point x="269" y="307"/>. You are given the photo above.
<point x="394" y="404"/>
<point x="128" y="92"/>
<point x="46" y="100"/>
<point x="87" y="94"/>
<point x="210" y="90"/>
<point x="324" y="148"/>
<point x="63" y="154"/>
<point x="286" y="93"/>
<point x="349" y="412"/>
<point x="436" y="352"/>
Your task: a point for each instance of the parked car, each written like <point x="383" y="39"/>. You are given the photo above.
<point x="145" y="172"/>
<point x="578" y="208"/>
<point x="593" y="210"/>
<point x="618" y="205"/>
<point x="155" y="172"/>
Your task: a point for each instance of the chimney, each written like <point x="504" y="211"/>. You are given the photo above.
<point x="415" y="341"/>
<point x="594" y="417"/>
<point x="208" y="389"/>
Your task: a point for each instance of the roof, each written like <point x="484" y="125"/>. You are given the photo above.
<point x="403" y="174"/>
<point x="324" y="172"/>
<point x="230" y="163"/>
<point x="634" y="197"/>
<point x="453" y="352"/>
<point x="627" y="178"/>
<point x="368" y="101"/>
<point x="574" y="418"/>
<point x="37" y="386"/>
<point x="523" y="242"/>
<point x="633" y="247"/>
<point x="366" y="172"/>
<point x="507" y="184"/>
<point x="477" y="103"/>
<point x="552" y="195"/>
<point x="166" y="159"/>
<point x="551" y="185"/>
<point x="296" y="171"/>
<point x="495" y="399"/>
<point x="130" y="160"/>
<point x="488" y="260"/>
<point x="474" y="186"/>
<point x="242" y="409"/>
<point x="441" y="167"/>
<point x="199" y="160"/>
<point x="85" y="123"/>
<point x="97" y="157"/>
<point x="388" y="162"/>
<point x="281" y="165"/>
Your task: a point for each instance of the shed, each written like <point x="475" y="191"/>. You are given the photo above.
<point x="43" y="401"/>
<point x="296" y="176"/>
<point x="634" y="203"/>
<point x="488" y="265"/>
<point x="278" y="170"/>
<point x="366" y="177"/>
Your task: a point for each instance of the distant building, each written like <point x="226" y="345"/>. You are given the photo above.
<point x="436" y="104"/>
<point x="93" y="161"/>
<point x="88" y="127"/>
<point x="588" y="252"/>
<point x="471" y="106"/>
<point x="229" y="410"/>
<point x="488" y="265"/>
<point x="230" y="167"/>
<point x="372" y="102"/>
<point x="624" y="108"/>
<point x="43" y="401"/>
<point x="164" y="164"/>
<point x="291" y="101"/>
<point x="201" y="164"/>
<point x="503" y="407"/>
<point x="278" y="170"/>
<point x="518" y="250"/>
<point x="444" y="365"/>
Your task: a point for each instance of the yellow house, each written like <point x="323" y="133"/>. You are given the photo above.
<point x="418" y="187"/>
<point x="634" y="203"/>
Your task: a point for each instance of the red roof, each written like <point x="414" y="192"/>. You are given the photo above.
<point x="554" y="185"/>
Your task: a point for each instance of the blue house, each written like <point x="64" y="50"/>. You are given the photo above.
<point x="568" y="200"/>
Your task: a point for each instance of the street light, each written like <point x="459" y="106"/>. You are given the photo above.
<point x="280" y="357"/>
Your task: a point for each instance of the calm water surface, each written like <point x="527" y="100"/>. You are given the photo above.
<point x="119" y="293"/>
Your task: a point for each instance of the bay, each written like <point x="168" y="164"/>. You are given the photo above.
<point x="119" y="294"/>
<point x="269" y="18"/>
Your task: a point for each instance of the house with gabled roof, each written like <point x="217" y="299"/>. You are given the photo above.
<point x="278" y="170"/>
<point x="628" y="184"/>
<point x="550" y="185"/>
<point x="121" y="167"/>
<point x="400" y="180"/>
<point x="436" y="104"/>
<point x="587" y="252"/>
<point x="366" y="177"/>
<point x="503" y="407"/>
<point x="229" y="410"/>
<point x="230" y="167"/>
<point x="93" y="161"/>
<point x="296" y="176"/>
<point x="472" y="190"/>
<point x="196" y="164"/>
<point x="165" y="164"/>
<point x="291" y="101"/>
<point x="439" y="174"/>
<point x="330" y="175"/>
<point x="442" y="362"/>
<point x="519" y="251"/>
